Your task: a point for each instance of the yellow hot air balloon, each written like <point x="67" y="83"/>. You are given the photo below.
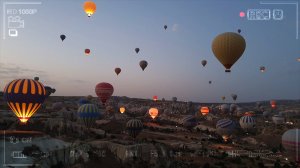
<point x="153" y="112"/>
<point x="89" y="8"/>
<point x="228" y="48"/>
<point x="122" y="109"/>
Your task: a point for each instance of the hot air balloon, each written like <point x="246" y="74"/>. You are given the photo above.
<point x="298" y="59"/>
<point x="83" y="101"/>
<point x="225" y="128"/>
<point x="137" y="50"/>
<point x="228" y="48"/>
<point x="203" y="62"/>
<point x="223" y="98"/>
<point x="204" y="110"/>
<point x="104" y="91"/>
<point x="273" y="103"/>
<point x="153" y="112"/>
<point x="88" y="114"/>
<point x="262" y="69"/>
<point x="49" y="91"/>
<point x="234" y="96"/>
<point x="247" y="123"/>
<point x="225" y="108"/>
<point x="165" y="27"/>
<point x="278" y="120"/>
<point x="122" y="109"/>
<point x="87" y="51"/>
<point x="62" y="37"/>
<point x="143" y="64"/>
<point x="117" y="70"/>
<point x="239" y="31"/>
<point x="155" y="98"/>
<point x="89" y="7"/>
<point x="291" y="143"/>
<point x="233" y="108"/>
<point x="36" y="78"/>
<point x="134" y="127"/>
<point x="24" y="97"/>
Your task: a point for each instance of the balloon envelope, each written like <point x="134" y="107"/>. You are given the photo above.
<point x="143" y="64"/>
<point x="89" y="7"/>
<point x="262" y="69"/>
<point x="228" y="48"/>
<point x="117" y="71"/>
<point x="203" y="62"/>
<point x="62" y="37"/>
<point x="24" y="97"/>
<point x="134" y="127"/>
<point x="165" y="27"/>
<point x="291" y="143"/>
<point x="88" y="113"/>
<point x="204" y="110"/>
<point x="247" y="123"/>
<point x="153" y="112"/>
<point x="87" y="51"/>
<point x="104" y="91"/>
<point x="137" y="50"/>
<point x="122" y="109"/>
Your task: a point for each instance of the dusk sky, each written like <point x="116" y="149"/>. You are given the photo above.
<point x="174" y="55"/>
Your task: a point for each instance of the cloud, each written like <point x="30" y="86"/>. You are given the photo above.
<point x="12" y="71"/>
<point x="175" y="27"/>
<point x="77" y="81"/>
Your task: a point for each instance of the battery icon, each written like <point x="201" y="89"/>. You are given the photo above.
<point x="259" y="14"/>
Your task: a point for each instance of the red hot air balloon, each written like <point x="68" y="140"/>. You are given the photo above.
<point x="87" y="51"/>
<point x="104" y="91"/>
<point x="273" y="103"/>
<point x="155" y="98"/>
<point x="117" y="70"/>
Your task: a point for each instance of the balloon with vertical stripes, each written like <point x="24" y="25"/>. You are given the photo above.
<point x="24" y="97"/>
<point x="134" y="127"/>
<point x="88" y="114"/>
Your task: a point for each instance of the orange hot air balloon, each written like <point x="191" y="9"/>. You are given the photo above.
<point x="153" y="112"/>
<point x="273" y="103"/>
<point x="228" y="48"/>
<point x="223" y="98"/>
<point x="24" y="97"/>
<point x="122" y="109"/>
<point x="155" y="98"/>
<point x="89" y="8"/>
<point x="204" y="110"/>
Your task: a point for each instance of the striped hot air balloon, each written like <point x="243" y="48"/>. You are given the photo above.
<point x="88" y="114"/>
<point x="291" y="143"/>
<point x="247" y="123"/>
<point x="225" y="127"/>
<point x="134" y="127"/>
<point x="24" y="97"/>
<point x="104" y="91"/>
